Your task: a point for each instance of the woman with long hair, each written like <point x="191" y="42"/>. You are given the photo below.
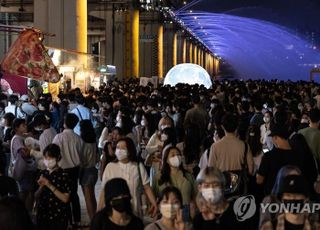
<point x="126" y="166"/>
<point x="117" y="213"/>
<point x="265" y="131"/>
<point x="253" y="140"/>
<point x="88" y="171"/>
<point x="173" y="174"/>
<point x="170" y="204"/>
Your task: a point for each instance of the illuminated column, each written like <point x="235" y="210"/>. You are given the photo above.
<point x="199" y="56"/>
<point x="195" y="54"/>
<point x="190" y="53"/>
<point x="160" y="51"/>
<point x="184" y="50"/>
<point x="203" y="59"/>
<point x="174" y="47"/>
<point x="216" y="66"/>
<point x="135" y="42"/>
<point x="67" y="20"/>
<point x="132" y="42"/>
<point x="210" y="66"/>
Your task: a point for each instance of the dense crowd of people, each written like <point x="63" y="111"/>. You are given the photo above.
<point x="167" y="157"/>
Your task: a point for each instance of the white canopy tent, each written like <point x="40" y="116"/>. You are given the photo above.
<point x="188" y="73"/>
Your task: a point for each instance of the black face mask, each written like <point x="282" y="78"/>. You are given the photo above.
<point x="294" y="206"/>
<point x="121" y="205"/>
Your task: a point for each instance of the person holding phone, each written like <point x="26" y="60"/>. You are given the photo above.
<point x="54" y="192"/>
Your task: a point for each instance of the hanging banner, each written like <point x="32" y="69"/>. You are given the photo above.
<point x="12" y="83"/>
<point x="27" y="57"/>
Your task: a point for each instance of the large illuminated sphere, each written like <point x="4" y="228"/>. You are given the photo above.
<point x="188" y="73"/>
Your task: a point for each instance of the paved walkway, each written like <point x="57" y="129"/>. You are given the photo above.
<point x="84" y="215"/>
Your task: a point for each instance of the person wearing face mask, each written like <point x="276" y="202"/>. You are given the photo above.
<point x="265" y="131"/>
<point x="170" y="202"/>
<point x="215" y="211"/>
<point x="304" y="122"/>
<point x="42" y="125"/>
<point x="266" y="216"/>
<point x="140" y="129"/>
<point x="126" y="167"/>
<point x="293" y="195"/>
<point x="156" y="144"/>
<point x="117" y="213"/>
<point x="173" y="174"/>
<point x="54" y="192"/>
<point x="22" y="165"/>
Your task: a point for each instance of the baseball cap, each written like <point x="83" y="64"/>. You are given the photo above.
<point x="293" y="184"/>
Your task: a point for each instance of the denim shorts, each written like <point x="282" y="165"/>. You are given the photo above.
<point x="88" y="176"/>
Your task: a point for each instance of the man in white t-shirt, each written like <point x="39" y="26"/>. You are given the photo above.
<point x="13" y="108"/>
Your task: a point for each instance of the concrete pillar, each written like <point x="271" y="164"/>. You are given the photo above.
<point x="132" y="42"/>
<point x="184" y="51"/>
<point x="68" y="21"/>
<point x="168" y="47"/>
<point x="135" y="42"/>
<point x="148" y="48"/>
<point x="174" y="48"/>
<point x="160" y="51"/>
<point x="195" y="55"/>
<point x="190" y="60"/>
<point x="180" y="40"/>
<point x="217" y="66"/>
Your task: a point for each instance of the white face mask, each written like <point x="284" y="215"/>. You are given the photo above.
<point x="304" y="121"/>
<point x="162" y="127"/>
<point x="2" y="123"/>
<point x="40" y="107"/>
<point x="169" y="211"/>
<point x="94" y="111"/>
<point x="212" y="195"/>
<point x="212" y="105"/>
<point x="164" y="137"/>
<point x="119" y="124"/>
<point x="143" y="123"/>
<point x="175" y="161"/>
<point x="266" y="119"/>
<point x="121" y="154"/>
<point x="135" y="119"/>
<point x="38" y="129"/>
<point x="50" y="164"/>
<point x="118" y="118"/>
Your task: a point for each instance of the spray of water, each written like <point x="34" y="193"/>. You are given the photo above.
<point x="255" y="48"/>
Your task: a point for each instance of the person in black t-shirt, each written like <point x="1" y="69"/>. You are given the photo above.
<point x="215" y="211"/>
<point x="294" y="213"/>
<point x="281" y="155"/>
<point x="54" y="192"/>
<point x="117" y="213"/>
